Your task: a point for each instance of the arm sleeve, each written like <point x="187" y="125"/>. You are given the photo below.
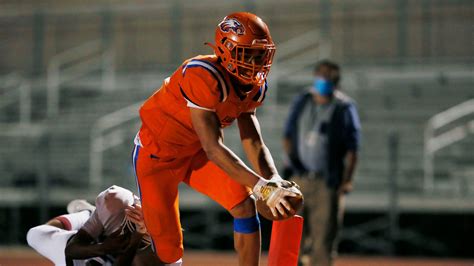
<point x="93" y="226"/>
<point x="200" y="89"/>
<point x="352" y="125"/>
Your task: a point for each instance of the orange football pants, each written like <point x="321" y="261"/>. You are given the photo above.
<point x="157" y="182"/>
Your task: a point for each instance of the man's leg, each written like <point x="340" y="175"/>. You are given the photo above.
<point x="307" y="188"/>
<point x="338" y="209"/>
<point x="209" y="179"/>
<point x="321" y="224"/>
<point x="246" y="243"/>
<point x="73" y="221"/>
<point x="50" y="239"/>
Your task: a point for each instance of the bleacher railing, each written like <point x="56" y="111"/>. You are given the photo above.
<point x="16" y="89"/>
<point x="302" y="51"/>
<point x="293" y="56"/>
<point x="105" y="134"/>
<point x="75" y="63"/>
<point x="435" y="141"/>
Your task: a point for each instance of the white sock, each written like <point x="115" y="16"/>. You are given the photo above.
<point x="74" y="221"/>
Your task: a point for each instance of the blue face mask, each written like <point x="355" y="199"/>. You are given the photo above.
<point x="323" y="87"/>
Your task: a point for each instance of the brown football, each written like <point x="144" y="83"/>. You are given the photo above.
<point x="295" y="202"/>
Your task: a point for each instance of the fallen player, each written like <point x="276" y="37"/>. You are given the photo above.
<point x="111" y="233"/>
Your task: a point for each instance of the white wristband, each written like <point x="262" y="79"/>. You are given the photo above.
<point x="276" y="178"/>
<point x="257" y="189"/>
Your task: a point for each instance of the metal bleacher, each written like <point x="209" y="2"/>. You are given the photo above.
<point x="47" y="161"/>
<point x="60" y="149"/>
<point x="402" y="104"/>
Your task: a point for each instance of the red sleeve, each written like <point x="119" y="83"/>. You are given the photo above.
<point x="200" y="88"/>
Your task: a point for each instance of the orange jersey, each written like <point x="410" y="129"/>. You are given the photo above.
<point x="201" y="82"/>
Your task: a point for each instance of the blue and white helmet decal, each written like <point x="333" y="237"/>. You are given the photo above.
<point x="232" y="24"/>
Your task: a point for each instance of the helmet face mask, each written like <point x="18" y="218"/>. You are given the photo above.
<point x="245" y="47"/>
<point x="251" y="64"/>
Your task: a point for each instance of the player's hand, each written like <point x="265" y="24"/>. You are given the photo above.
<point x="274" y="191"/>
<point x="284" y="183"/>
<point x="346" y="187"/>
<point x="134" y="214"/>
<point x="277" y="201"/>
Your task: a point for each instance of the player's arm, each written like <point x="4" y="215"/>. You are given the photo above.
<point x="83" y="246"/>
<point x="131" y="254"/>
<point x="351" y="162"/>
<point x="128" y="254"/>
<point x="257" y="152"/>
<point x="351" y="118"/>
<point x="207" y="127"/>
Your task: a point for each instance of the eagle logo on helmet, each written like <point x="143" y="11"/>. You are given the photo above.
<point x="232" y="24"/>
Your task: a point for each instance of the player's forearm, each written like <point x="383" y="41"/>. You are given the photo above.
<point x="254" y="147"/>
<point x="84" y="251"/>
<point x="351" y="162"/>
<point x="267" y="165"/>
<point x="260" y="157"/>
<point x="287" y="145"/>
<point x="127" y="257"/>
<point x="232" y="165"/>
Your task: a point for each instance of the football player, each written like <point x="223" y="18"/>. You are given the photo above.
<point x="181" y="140"/>
<point x="111" y="233"/>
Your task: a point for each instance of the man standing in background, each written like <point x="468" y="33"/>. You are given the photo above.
<point x="321" y="139"/>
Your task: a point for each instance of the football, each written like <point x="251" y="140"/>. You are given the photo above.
<point x="295" y="202"/>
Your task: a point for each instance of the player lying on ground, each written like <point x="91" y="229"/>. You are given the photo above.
<point x="109" y="234"/>
<point x="50" y="239"/>
<point x="181" y="140"/>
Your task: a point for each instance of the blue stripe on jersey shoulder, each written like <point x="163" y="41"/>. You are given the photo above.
<point x="208" y="66"/>
<point x="257" y="96"/>
<point x="263" y="89"/>
<point x="265" y="93"/>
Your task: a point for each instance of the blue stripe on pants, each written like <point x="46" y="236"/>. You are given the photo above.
<point x="135" y="153"/>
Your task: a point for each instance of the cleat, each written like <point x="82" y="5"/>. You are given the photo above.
<point x="79" y="205"/>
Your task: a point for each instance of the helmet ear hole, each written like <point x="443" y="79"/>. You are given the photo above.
<point x="229" y="45"/>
